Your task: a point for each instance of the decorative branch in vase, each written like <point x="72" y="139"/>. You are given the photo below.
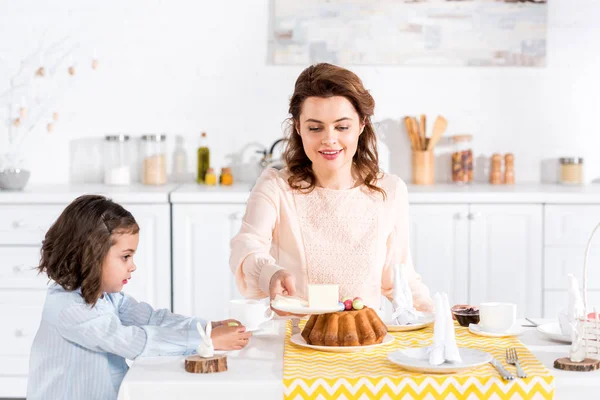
<point x="29" y="102"/>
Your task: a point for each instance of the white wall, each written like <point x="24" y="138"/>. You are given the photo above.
<point x="183" y="67"/>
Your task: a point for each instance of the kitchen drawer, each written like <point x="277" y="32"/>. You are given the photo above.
<point x="570" y="225"/>
<point x="26" y="224"/>
<point x="555" y="300"/>
<point x="20" y="324"/>
<point x="560" y="261"/>
<point x="21" y="297"/>
<point x="18" y="268"/>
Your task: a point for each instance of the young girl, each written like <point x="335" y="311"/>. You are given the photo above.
<point x="89" y="327"/>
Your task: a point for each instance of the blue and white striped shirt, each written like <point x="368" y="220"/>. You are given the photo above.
<point x="79" y="351"/>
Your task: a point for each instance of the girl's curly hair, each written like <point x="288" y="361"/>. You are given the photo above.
<point x="75" y="246"/>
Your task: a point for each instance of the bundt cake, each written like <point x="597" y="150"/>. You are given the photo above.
<point x="345" y="328"/>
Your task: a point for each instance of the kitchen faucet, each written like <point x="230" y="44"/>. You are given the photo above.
<point x="267" y="159"/>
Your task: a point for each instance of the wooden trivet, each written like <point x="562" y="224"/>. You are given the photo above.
<point x="198" y="365"/>
<point x="589" y="364"/>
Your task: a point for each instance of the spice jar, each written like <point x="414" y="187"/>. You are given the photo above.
<point x="462" y="159"/>
<point x="210" y="178"/>
<point x="117" y="156"/>
<point x="154" y="164"/>
<point x="571" y="170"/>
<point x="226" y="178"/>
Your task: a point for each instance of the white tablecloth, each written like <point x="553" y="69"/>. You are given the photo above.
<point x="257" y="372"/>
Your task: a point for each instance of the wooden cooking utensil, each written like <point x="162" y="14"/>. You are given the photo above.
<point x="439" y="127"/>
<point x="415" y="131"/>
<point x="408" y="127"/>
<point x="423" y="131"/>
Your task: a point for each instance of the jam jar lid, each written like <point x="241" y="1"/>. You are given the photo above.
<point x="571" y="160"/>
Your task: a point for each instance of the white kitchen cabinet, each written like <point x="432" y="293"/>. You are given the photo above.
<point x="506" y="255"/>
<point x="202" y="281"/>
<point x="439" y="243"/>
<point x="567" y="231"/>
<point x="480" y="252"/>
<point x="151" y="281"/>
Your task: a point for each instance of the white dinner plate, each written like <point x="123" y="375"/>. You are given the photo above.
<point x="476" y="329"/>
<point x="417" y="360"/>
<point x="298" y="340"/>
<point x="552" y="331"/>
<point x="424" y="320"/>
<point x="303" y="310"/>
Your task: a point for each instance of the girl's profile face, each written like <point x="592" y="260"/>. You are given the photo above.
<point x="330" y="128"/>
<point x="118" y="263"/>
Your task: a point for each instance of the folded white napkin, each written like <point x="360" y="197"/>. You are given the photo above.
<point x="444" y="346"/>
<point x="575" y="309"/>
<point x="404" y="310"/>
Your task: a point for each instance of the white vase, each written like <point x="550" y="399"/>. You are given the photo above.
<point x="14" y="171"/>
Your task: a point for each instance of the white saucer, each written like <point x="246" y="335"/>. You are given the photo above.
<point x="424" y="320"/>
<point x="552" y="331"/>
<point x="298" y="340"/>
<point x="303" y="310"/>
<point x="516" y="330"/>
<point x="417" y="360"/>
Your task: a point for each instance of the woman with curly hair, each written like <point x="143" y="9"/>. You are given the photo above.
<point x="330" y="216"/>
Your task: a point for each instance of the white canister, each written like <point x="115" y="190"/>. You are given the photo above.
<point x="117" y="155"/>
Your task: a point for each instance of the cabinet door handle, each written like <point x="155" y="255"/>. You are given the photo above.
<point x="461" y="215"/>
<point x="18" y="224"/>
<point x="237" y="216"/>
<point x="19" y="333"/>
<point x="473" y="216"/>
<point x="17" y="269"/>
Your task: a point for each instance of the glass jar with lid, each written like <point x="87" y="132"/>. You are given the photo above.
<point x="571" y="170"/>
<point x="117" y="156"/>
<point x="154" y="159"/>
<point x="462" y="159"/>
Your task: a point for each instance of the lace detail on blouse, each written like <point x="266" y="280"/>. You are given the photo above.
<point x="340" y="234"/>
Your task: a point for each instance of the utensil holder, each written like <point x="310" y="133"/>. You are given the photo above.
<point x="423" y="163"/>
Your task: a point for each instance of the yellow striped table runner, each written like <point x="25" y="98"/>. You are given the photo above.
<point x="311" y="374"/>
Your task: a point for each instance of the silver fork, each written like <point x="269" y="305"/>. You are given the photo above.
<point x="513" y="358"/>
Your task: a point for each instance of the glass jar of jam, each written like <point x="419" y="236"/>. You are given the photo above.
<point x="462" y="159"/>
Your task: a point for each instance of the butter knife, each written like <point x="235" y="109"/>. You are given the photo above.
<point x="505" y="374"/>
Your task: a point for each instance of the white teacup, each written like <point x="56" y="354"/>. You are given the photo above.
<point x="497" y="317"/>
<point x="251" y="313"/>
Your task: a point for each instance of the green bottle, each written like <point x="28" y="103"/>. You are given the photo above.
<point x="203" y="158"/>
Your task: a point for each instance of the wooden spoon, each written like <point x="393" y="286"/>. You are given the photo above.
<point x="439" y="127"/>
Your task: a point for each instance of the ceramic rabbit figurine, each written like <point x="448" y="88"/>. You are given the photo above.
<point x="205" y="348"/>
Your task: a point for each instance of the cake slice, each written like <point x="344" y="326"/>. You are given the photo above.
<point x="323" y="296"/>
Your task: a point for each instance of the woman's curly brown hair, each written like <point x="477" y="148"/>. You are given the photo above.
<point x="326" y="80"/>
<point x="77" y="243"/>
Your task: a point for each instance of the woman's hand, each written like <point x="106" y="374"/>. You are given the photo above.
<point x="282" y="283"/>
<point x="226" y="337"/>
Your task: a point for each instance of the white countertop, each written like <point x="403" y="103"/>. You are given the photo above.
<point x="64" y="194"/>
<point x="434" y="194"/>
<point x="257" y="372"/>
<point x="192" y="193"/>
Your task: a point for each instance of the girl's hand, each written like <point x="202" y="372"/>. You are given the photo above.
<point x="230" y="337"/>
<point x="226" y="322"/>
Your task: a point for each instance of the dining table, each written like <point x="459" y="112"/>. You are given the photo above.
<point x="256" y="372"/>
